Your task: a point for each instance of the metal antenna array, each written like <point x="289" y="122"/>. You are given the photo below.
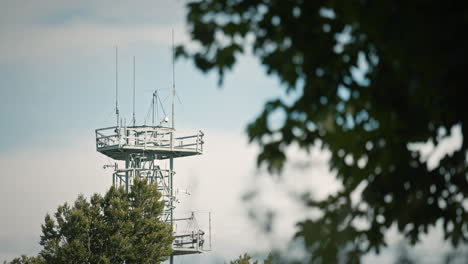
<point x="141" y="151"/>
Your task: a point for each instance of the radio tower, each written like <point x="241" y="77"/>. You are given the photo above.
<point x="143" y="149"/>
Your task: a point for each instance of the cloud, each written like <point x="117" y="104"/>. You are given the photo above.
<point x="58" y="42"/>
<point x="38" y="30"/>
<point x="35" y="181"/>
<point x="22" y="12"/>
<point x="227" y="170"/>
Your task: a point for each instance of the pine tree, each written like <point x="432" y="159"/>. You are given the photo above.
<point x="118" y="227"/>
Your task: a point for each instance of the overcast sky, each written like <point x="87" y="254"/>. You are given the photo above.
<point x="57" y="79"/>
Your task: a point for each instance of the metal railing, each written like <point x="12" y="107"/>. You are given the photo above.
<point x="188" y="235"/>
<point x="147" y="137"/>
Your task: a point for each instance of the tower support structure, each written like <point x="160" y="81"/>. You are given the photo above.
<point x="142" y="149"/>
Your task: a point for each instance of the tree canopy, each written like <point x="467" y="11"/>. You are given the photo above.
<point x="369" y="79"/>
<point x="26" y="260"/>
<point x="118" y="227"/>
<point x="246" y="259"/>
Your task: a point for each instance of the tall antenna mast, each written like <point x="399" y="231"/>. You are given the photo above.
<point x="134" y="119"/>
<point x="145" y="149"/>
<point x="116" y="86"/>
<point x="173" y="81"/>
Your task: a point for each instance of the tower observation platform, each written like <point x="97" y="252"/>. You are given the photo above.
<point x="143" y="151"/>
<point x="158" y="141"/>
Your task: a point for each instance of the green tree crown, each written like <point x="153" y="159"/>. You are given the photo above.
<point x="369" y="78"/>
<point x="118" y="227"/>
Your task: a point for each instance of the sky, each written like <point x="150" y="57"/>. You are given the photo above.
<point x="57" y="85"/>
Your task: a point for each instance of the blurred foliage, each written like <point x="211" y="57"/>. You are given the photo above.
<point x="26" y="260"/>
<point x="246" y="259"/>
<point x="118" y="227"/>
<point x="403" y="256"/>
<point x="457" y="256"/>
<point x="368" y="79"/>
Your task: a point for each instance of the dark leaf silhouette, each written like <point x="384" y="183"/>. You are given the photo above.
<point x="373" y="78"/>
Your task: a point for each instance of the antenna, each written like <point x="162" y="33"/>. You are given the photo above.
<point x="173" y="81"/>
<point x="134" y="119"/>
<point x="154" y="105"/>
<point x="116" y="86"/>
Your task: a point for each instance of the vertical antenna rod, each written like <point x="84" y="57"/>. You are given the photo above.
<point x="134" y="119"/>
<point x="116" y="86"/>
<point x="173" y="81"/>
<point x="171" y="161"/>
